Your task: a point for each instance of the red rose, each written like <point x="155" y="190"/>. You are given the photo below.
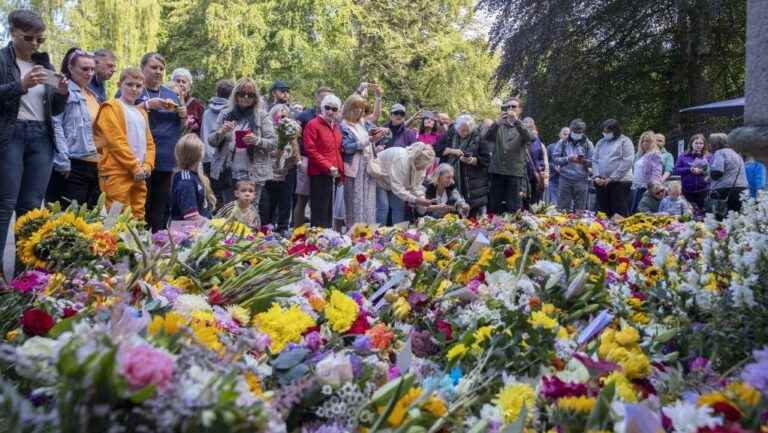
<point x="359" y="326"/>
<point x="69" y="312"/>
<point x="215" y="298"/>
<point x="361" y="258"/>
<point x="301" y="249"/>
<point x="728" y="411"/>
<point x="413" y="259"/>
<point x="444" y="328"/>
<point x="35" y="321"/>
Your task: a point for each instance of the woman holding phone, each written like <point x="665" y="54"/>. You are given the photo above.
<point x="244" y="139"/>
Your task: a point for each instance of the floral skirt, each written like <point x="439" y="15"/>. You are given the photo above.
<point x="360" y="197"/>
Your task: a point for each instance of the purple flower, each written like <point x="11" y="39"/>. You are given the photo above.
<point x="698" y="364"/>
<point x="393" y="373"/>
<point x="422" y="344"/>
<point x="553" y="388"/>
<point x="362" y="344"/>
<point x="756" y="373"/>
<point x="313" y="340"/>
<point x="30" y="282"/>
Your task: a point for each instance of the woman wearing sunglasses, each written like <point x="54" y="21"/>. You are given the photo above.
<point x="76" y="175"/>
<point x="27" y="104"/>
<point x="244" y="140"/>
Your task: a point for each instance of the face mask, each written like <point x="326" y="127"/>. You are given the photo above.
<point x="608" y="135"/>
<point x="576" y="136"/>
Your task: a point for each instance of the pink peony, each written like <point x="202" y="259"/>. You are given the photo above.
<point x="144" y="365"/>
<point x="30" y="281"/>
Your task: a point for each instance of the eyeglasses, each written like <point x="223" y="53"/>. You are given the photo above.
<point x="246" y="95"/>
<point x="331" y="108"/>
<point x="31" y="38"/>
<point x="398" y="113"/>
<point x="284" y="90"/>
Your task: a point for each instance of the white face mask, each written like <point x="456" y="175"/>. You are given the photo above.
<point x="608" y="135"/>
<point x="576" y="136"/>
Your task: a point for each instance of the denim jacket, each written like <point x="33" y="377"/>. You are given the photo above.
<point x="73" y="131"/>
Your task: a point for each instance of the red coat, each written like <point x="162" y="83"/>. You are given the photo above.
<point x="322" y="144"/>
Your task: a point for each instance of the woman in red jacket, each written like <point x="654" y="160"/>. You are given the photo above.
<point x="322" y="144"/>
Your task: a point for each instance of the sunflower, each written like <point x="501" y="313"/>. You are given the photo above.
<point x="30" y="222"/>
<point x="569" y="234"/>
<point x="28" y="249"/>
<point x="362" y="231"/>
<point x="653" y="273"/>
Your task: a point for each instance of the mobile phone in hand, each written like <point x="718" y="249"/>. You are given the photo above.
<point x="51" y="78"/>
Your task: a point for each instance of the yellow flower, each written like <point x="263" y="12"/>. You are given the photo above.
<point x="317" y="303"/>
<point x="457" y="351"/>
<point x="711" y="284"/>
<point x="399" y="412"/>
<point x="548" y="308"/>
<point x="444" y="285"/>
<point x="443" y="252"/>
<point x="35" y="216"/>
<point x="55" y="283"/>
<point x="283" y="326"/>
<point x="582" y="404"/>
<point x="745" y="393"/>
<point x="435" y="406"/>
<point x="12" y="335"/>
<point x="298" y="232"/>
<point x="429" y="256"/>
<point x="502" y="238"/>
<point x="254" y="383"/>
<point x="242" y="315"/>
<point x="636" y="365"/>
<point x="635" y="303"/>
<point x="182" y="282"/>
<point x="569" y="234"/>
<point x="628" y="336"/>
<point x="624" y="388"/>
<point x="341" y="311"/>
<point x="169" y="324"/>
<point x="711" y="398"/>
<point x="486" y="255"/>
<point x="483" y="333"/>
<point x="207" y="335"/>
<point x="511" y="400"/>
<point x="362" y="231"/>
<point x="401" y="308"/>
<point x="653" y="273"/>
<point x="640" y="318"/>
<point x="539" y="319"/>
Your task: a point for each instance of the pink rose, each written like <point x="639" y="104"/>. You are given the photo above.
<point x="144" y="365"/>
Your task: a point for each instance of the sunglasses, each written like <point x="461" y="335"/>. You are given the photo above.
<point x="508" y="107"/>
<point x="246" y="95"/>
<point x="398" y="113"/>
<point x="331" y="108"/>
<point x="30" y="38"/>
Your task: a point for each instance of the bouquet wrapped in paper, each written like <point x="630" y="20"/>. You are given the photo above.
<point x="287" y="131"/>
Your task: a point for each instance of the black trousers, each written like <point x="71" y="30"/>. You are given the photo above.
<point x="614" y="198"/>
<point x="734" y="197"/>
<point x="699" y="199"/>
<point x="506" y="194"/>
<point x="158" y="196"/>
<point x="321" y="201"/>
<point x="276" y="204"/>
<point x="82" y="184"/>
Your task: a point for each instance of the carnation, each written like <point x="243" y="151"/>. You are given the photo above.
<point x="143" y="365"/>
<point x="341" y="311"/>
<point x="688" y="418"/>
<point x="30" y="282"/>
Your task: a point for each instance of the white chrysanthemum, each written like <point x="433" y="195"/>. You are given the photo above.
<point x="688" y="418"/>
<point x="546" y="268"/>
<point x="187" y="304"/>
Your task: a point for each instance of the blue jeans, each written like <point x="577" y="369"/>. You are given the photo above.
<point x="386" y="202"/>
<point x="24" y="172"/>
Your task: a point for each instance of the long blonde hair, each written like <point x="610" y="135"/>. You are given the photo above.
<point x="239" y="86"/>
<point x="646" y="136"/>
<point x="189" y="156"/>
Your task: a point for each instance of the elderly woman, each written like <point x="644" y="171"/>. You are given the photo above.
<point x="469" y="155"/>
<point x="727" y="172"/>
<point x="357" y="143"/>
<point x="244" y="139"/>
<point x="402" y="173"/>
<point x="322" y="144"/>
<point x="183" y="79"/>
<point x="444" y="195"/>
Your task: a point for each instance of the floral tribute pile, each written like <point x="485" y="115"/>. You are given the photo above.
<point x="533" y="322"/>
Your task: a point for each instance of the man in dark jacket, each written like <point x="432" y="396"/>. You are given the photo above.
<point x="402" y="136"/>
<point x="509" y="142"/>
<point x="27" y="105"/>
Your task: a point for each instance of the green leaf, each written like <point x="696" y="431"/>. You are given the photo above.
<point x="600" y="417"/>
<point x="386" y="391"/>
<point x="63" y="326"/>
<point x="142" y="395"/>
<point x="519" y="424"/>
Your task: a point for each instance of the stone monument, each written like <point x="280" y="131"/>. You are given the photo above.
<point x="752" y="138"/>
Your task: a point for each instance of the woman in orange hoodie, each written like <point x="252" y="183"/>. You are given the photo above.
<point x="125" y="145"/>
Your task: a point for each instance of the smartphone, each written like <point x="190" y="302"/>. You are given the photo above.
<point x="52" y="79"/>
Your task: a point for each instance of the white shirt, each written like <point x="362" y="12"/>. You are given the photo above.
<point x="31" y="107"/>
<point x="136" y="130"/>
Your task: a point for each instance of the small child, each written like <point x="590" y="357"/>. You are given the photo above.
<point x="191" y="193"/>
<point x="652" y="198"/>
<point x="243" y="208"/>
<point x="674" y="203"/>
<point x="125" y="146"/>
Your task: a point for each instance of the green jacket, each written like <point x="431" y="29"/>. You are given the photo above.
<point x="649" y="203"/>
<point x="510" y="143"/>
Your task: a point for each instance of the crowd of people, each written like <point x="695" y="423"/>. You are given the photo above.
<point x="170" y="157"/>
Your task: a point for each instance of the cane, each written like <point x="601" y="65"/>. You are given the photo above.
<point x="334" y="176"/>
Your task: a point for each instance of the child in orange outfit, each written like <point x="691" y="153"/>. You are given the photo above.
<point x="125" y="145"/>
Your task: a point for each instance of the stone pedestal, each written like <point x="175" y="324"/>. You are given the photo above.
<point x="752" y="138"/>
